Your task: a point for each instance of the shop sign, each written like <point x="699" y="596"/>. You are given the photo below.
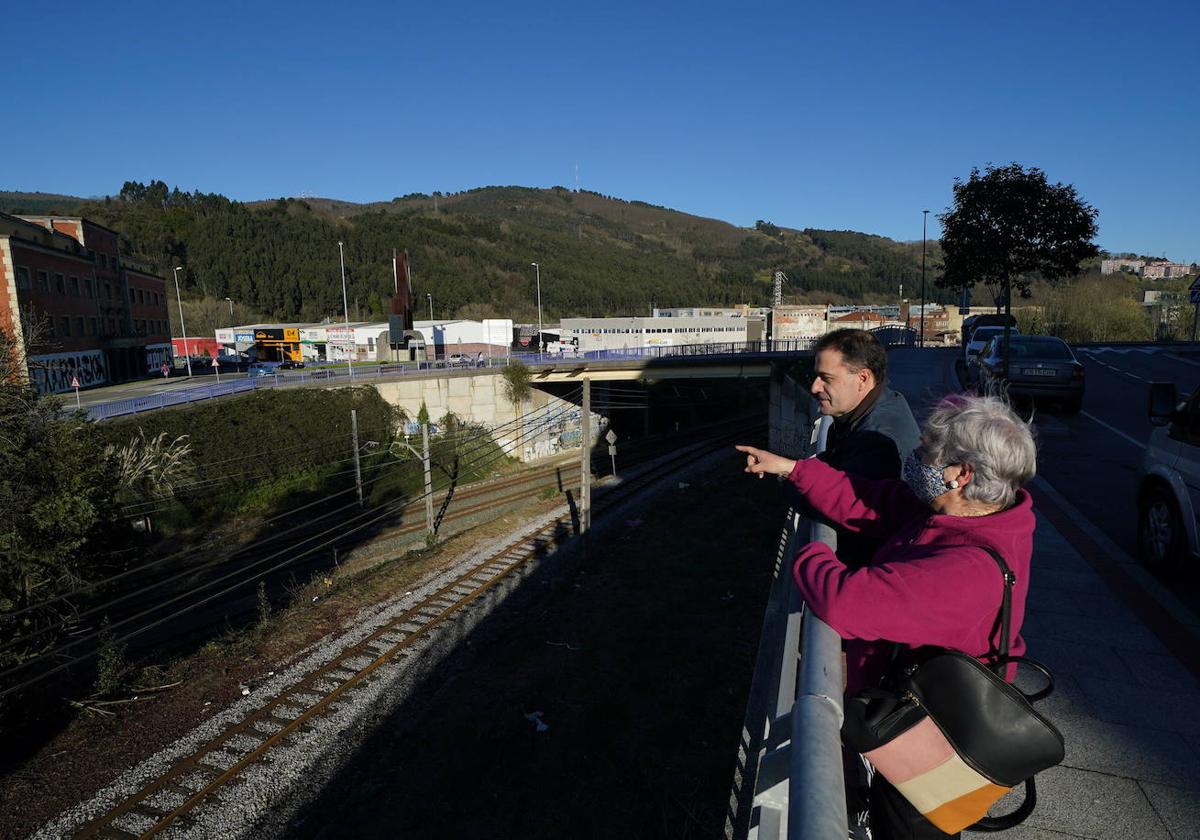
<point x="244" y="338"/>
<point x="225" y="337"/>
<point x="268" y="335"/>
<point x="340" y="336"/>
<point x="291" y="334"/>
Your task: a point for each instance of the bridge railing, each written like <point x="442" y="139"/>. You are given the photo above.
<point x="791" y="777"/>
<point x="235" y="383"/>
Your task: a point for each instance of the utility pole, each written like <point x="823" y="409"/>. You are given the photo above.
<point x="585" y="477"/>
<point x="357" y="471"/>
<point x="426" y="462"/>
<point x="346" y="310"/>
<point x="428" y="479"/>
<point x="924" y="223"/>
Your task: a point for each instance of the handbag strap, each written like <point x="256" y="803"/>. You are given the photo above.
<point x="1005" y="608"/>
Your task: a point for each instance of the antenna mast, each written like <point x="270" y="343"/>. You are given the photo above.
<point x="777" y="295"/>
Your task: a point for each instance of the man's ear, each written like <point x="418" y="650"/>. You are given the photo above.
<point x="866" y="378"/>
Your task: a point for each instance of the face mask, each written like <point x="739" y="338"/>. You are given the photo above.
<point x="926" y="482"/>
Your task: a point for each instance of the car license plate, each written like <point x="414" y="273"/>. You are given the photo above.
<point x="1039" y="372"/>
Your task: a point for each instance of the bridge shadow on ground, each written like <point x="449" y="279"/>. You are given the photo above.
<point x="604" y="698"/>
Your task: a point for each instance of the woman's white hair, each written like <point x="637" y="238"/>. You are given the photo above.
<point x="987" y="434"/>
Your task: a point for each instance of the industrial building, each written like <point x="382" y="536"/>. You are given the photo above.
<point x="591" y="334"/>
<point x="365" y="340"/>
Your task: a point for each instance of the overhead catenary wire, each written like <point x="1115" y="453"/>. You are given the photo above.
<point x="388" y="510"/>
<point x="255" y="545"/>
<point x="186" y="608"/>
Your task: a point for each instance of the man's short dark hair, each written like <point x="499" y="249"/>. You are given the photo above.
<point x="859" y="349"/>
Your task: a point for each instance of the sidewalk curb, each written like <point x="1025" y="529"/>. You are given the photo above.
<point x="1148" y="599"/>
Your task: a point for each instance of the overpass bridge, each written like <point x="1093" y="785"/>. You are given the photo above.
<point x="747" y="360"/>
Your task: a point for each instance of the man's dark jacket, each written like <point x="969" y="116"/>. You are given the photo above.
<point x="873" y="444"/>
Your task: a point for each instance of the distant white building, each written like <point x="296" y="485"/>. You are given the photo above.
<point x="1115" y="265"/>
<point x="1150" y="269"/>
<point x="1165" y="270"/>
<point x="589" y="334"/>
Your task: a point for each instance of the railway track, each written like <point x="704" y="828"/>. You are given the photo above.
<point x="171" y="801"/>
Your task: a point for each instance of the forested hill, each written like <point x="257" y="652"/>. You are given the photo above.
<point x="472" y="251"/>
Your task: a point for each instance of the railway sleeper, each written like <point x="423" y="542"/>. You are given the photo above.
<point x="111" y="832"/>
<point x="149" y="811"/>
<point x="303" y="698"/>
<point x="178" y="790"/>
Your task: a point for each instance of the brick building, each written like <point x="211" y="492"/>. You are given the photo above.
<point x="96" y="319"/>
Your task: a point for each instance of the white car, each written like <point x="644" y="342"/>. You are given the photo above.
<point x="982" y="336"/>
<point x="1168" y="494"/>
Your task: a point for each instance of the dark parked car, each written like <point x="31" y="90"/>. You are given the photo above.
<point x="1039" y="367"/>
<point x="288" y="364"/>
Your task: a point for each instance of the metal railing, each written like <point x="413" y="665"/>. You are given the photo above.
<point x="324" y="372"/>
<point x="798" y="790"/>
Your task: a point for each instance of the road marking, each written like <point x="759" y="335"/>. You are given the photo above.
<point x="1112" y="429"/>
<point x="1179" y="358"/>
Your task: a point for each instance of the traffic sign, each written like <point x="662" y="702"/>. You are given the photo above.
<point x="611" y="437"/>
<point x="75" y="382"/>
<point x="216" y="362"/>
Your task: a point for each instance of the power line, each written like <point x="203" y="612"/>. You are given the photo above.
<point x="158" y="584"/>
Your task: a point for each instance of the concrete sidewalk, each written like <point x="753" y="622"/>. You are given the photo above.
<point x="1125" y="701"/>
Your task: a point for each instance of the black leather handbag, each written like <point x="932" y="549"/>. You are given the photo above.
<point x="953" y="736"/>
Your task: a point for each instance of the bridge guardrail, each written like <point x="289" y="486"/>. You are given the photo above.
<point x="795" y="722"/>
<point x="238" y="383"/>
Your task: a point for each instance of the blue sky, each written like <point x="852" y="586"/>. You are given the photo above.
<point x="833" y="115"/>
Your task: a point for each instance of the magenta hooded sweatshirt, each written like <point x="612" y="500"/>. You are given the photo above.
<point x="929" y="584"/>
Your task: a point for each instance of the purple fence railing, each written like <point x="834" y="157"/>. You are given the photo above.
<point x="335" y="371"/>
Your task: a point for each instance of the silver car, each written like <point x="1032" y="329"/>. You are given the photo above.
<point x="1168" y="496"/>
<point x="1039" y="367"/>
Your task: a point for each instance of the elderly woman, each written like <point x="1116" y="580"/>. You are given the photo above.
<point x="930" y="584"/>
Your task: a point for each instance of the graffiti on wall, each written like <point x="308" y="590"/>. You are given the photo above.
<point x="158" y="355"/>
<point x="52" y="373"/>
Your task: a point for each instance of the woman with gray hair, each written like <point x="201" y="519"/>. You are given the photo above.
<point x="931" y="583"/>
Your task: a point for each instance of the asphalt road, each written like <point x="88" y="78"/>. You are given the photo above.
<point x="1092" y="458"/>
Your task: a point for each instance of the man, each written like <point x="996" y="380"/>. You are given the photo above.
<point x="872" y="434"/>
<point x="873" y="428"/>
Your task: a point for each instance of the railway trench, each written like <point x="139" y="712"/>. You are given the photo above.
<point x="603" y="703"/>
<point x="539" y="594"/>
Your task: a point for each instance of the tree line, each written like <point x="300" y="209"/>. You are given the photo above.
<point x="279" y="260"/>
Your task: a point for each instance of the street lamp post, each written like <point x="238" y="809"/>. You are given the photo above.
<point x="346" y="310"/>
<point x="538" y="273"/>
<point x="186" y="352"/>
<point x="924" y="221"/>
<point x="428" y="295"/>
<point x="230" y="302"/>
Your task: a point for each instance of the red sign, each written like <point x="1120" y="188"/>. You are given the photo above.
<point x="74" y="381"/>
